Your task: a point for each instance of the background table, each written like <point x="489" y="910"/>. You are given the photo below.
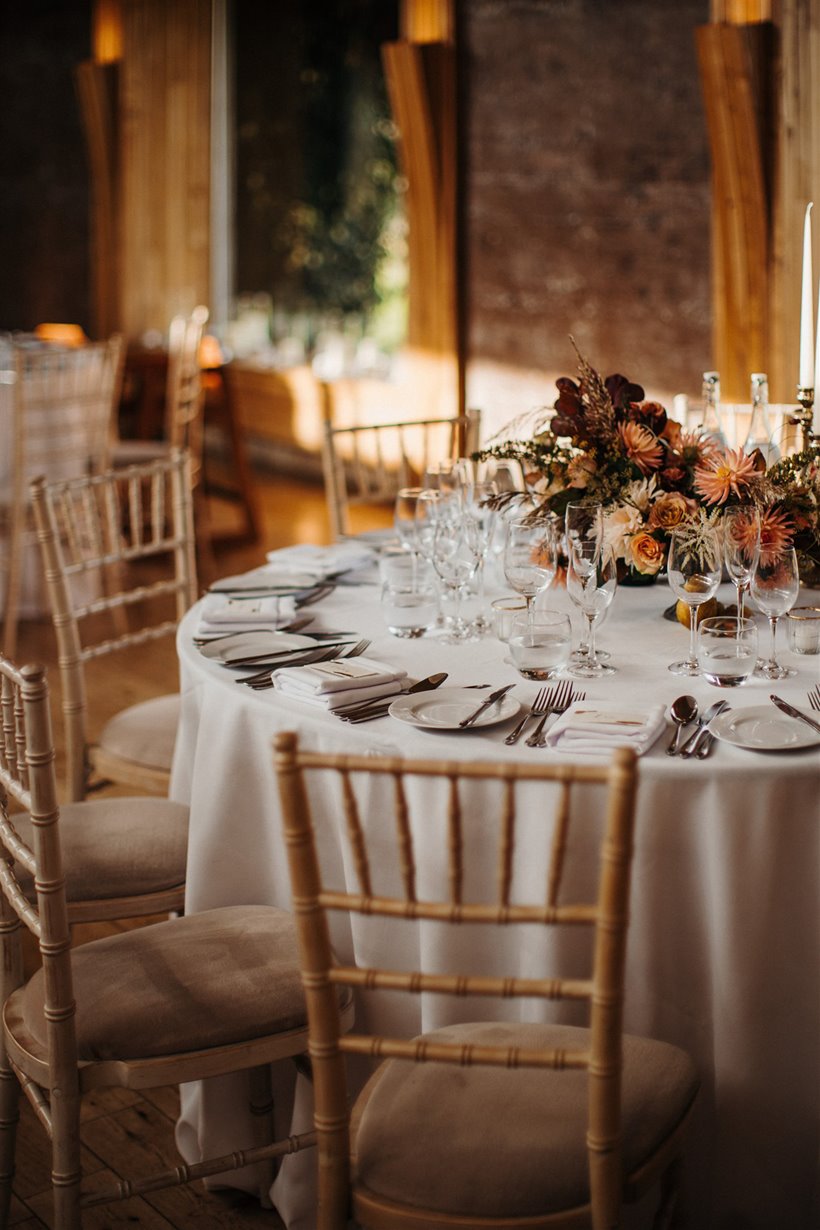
<point x="724" y="943"/>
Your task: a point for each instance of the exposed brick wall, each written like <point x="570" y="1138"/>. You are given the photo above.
<point x="587" y="195"/>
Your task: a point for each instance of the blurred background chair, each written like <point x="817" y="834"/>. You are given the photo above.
<point x="366" y="464"/>
<point x="63" y="402"/>
<point x="500" y="1122"/>
<point x="184" y="399"/>
<point x="132" y="531"/>
<point x="181" y="1000"/>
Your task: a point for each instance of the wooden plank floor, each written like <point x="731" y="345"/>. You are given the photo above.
<point x="123" y="1132"/>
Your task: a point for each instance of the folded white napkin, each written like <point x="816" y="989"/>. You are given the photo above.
<point x="596" y="727"/>
<point x="334" y="684"/>
<point x="223" y="614"/>
<point x="322" y="562"/>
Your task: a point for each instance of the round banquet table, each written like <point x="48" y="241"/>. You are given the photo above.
<point x="724" y="940"/>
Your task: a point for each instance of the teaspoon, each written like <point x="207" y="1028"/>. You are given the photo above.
<point x="682" y="711"/>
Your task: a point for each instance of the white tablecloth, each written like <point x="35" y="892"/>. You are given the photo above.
<point x="724" y="944"/>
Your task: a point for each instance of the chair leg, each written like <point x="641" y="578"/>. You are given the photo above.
<point x="261" y="1108"/>
<point x="9" y="1118"/>
<point x="66" y="1173"/>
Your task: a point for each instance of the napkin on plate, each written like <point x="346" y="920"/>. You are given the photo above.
<point x="597" y="727"/>
<point x="334" y="684"/>
<point x="322" y="562"/>
<point x="220" y="614"/>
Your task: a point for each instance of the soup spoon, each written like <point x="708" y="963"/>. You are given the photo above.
<point x="682" y="711"/>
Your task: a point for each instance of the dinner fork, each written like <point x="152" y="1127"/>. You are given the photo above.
<point x="814" y="698"/>
<point x="538" y="706"/>
<point x="265" y="679"/>
<point x="560" y="701"/>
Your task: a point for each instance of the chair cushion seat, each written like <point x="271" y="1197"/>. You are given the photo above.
<point x="206" y="980"/>
<point x="502" y="1143"/>
<point x="144" y="733"/>
<point x="117" y="847"/>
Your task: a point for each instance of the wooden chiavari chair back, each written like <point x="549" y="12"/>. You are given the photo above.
<point x="425" y="1145"/>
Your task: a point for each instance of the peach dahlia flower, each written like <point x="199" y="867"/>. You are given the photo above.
<point x="641" y="446"/>
<point x="723" y="474"/>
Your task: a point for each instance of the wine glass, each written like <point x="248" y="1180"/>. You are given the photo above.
<point x="456" y="553"/>
<point x="429" y="504"/>
<point x="444" y="476"/>
<point x="584" y="523"/>
<point x="741" y="536"/>
<point x="404" y="517"/>
<point x="530" y="557"/>
<point x="774" y="588"/>
<point x="592" y="578"/>
<point x="476" y="506"/>
<point x="694" y="568"/>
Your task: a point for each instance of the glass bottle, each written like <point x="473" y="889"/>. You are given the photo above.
<point x="711" y="427"/>
<point x="760" y="431"/>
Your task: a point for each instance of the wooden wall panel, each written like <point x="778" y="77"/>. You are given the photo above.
<point x="165" y="150"/>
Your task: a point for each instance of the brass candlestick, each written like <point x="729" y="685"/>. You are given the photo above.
<point x="804" y="417"/>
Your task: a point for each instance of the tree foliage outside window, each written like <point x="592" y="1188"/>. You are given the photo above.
<point x="319" y="194"/>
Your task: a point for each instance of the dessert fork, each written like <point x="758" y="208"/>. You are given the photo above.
<point x="814" y="698"/>
<point x="566" y="697"/>
<point x="539" y="706"/>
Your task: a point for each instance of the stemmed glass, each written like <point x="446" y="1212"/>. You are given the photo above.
<point x="476" y="496"/>
<point x="531" y="557"/>
<point x="456" y="553"/>
<point x="694" y="567"/>
<point x="592" y="578"/>
<point x="584" y="523"/>
<point x="404" y="517"/>
<point x="741" y="536"/>
<point x="429" y="504"/>
<point x="775" y="586"/>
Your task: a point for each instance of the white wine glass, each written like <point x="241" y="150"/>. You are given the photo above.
<point x="694" y="568"/>
<point x="531" y="557"/>
<point x="584" y="523"/>
<point x="592" y="578"/>
<point x="476" y="504"/>
<point x="456" y="554"/>
<point x="741" y="538"/>
<point x="774" y="588"/>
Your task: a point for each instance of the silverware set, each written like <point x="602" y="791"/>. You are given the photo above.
<point x="306" y="657"/>
<point x="548" y="702"/>
<point x="379" y="707"/>
<point x="699" y="743"/>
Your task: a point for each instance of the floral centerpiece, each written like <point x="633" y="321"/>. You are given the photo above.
<point x="603" y="443"/>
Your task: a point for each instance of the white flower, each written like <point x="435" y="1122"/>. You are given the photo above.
<point x="619" y="526"/>
<point x="641" y="493"/>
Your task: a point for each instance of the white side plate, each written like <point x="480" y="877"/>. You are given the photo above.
<point x="763" y="728"/>
<point x="447" y="707"/>
<point x="250" y="644"/>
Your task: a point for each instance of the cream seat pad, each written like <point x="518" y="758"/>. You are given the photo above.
<point x="206" y="980"/>
<point x="117" y="847"/>
<point x="145" y="733"/>
<point x="501" y="1143"/>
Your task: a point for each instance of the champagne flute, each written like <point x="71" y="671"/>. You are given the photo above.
<point x="774" y="588"/>
<point x="592" y="578"/>
<point x="741" y="536"/>
<point x="530" y="557"/>
<point x="694" y="569"/>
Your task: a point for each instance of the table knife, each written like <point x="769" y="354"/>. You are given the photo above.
<point x="795" y="713"/>
<point x="492" y="699"/>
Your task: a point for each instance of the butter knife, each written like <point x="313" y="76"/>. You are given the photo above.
<point x="492" y="699"/>
<point x="795" y="713"/>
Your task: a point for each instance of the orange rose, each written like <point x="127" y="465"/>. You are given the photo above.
<point x="669" y="510"/>
<point x="647" y="553"/>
